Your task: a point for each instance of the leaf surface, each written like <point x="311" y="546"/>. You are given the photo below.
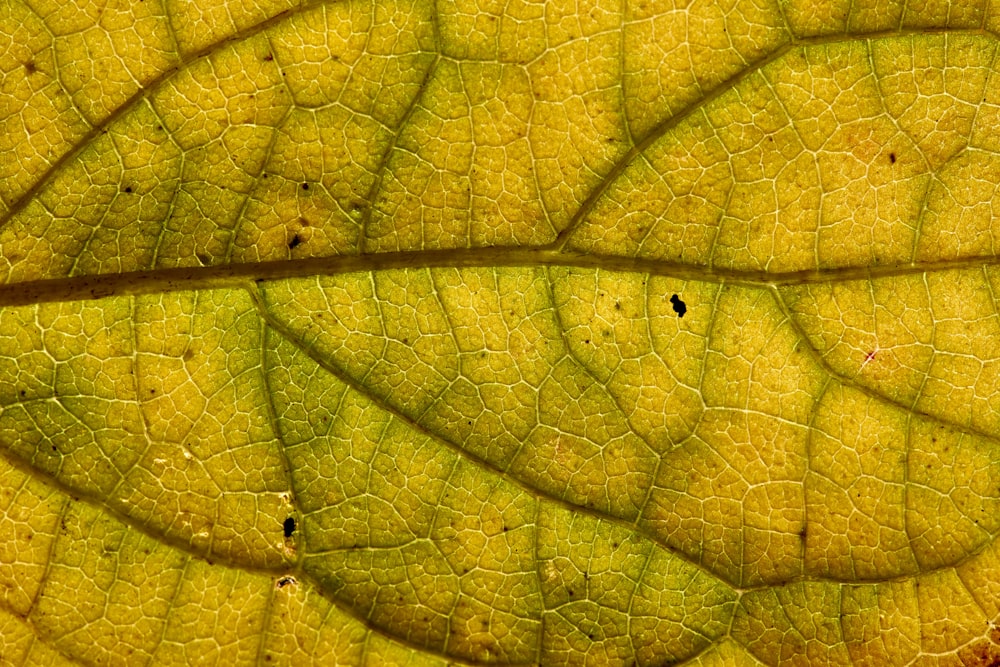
<point x="468" y="332"/>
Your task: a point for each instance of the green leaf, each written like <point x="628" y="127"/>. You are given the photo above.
<point x="470" y="332"/>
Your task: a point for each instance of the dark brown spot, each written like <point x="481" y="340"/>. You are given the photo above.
<point x="289" y="526"/>
<point x="30" y="67"/>
<point x="295" y="242"/>
<point x="892" y="158"/>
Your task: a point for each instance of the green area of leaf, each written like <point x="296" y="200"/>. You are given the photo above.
<point x="485" y="333"/>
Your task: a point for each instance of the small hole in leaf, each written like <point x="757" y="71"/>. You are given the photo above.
<point x="289" y="526"/>
<point x="295" y="242"/>
<point x="892" y="158"/>
<point x="128" y="189"/>
<point x="679" y="306"/>
<point x="305" y="186"/>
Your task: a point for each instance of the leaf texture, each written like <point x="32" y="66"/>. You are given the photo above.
<point x="562" y="333"/>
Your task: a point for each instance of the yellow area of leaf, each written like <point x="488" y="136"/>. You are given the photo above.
<point x="561" y="333"/>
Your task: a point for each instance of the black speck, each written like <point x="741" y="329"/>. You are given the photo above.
<point x="269" y="57"/>
<point x="679" y="306"/>
<point x="128" y="189"/>
<point x="295" y="242"/>
<point x="289" y="526"/>
<point x="284" y="581"/>
<point x="305" y="186"/>
<point x="892" y="158"/>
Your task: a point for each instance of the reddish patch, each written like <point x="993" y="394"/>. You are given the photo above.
<point x="980" y="654"/>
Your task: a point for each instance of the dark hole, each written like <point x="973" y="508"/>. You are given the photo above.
<point x="289" y="526"/>
<point x="128" y="189"/>
<point x="892" y="158"/>
<point x="679" y="306"/>
<point x="295" y="242"/>
<point x="305" y="186"/>
<point x="284" y="581"/>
